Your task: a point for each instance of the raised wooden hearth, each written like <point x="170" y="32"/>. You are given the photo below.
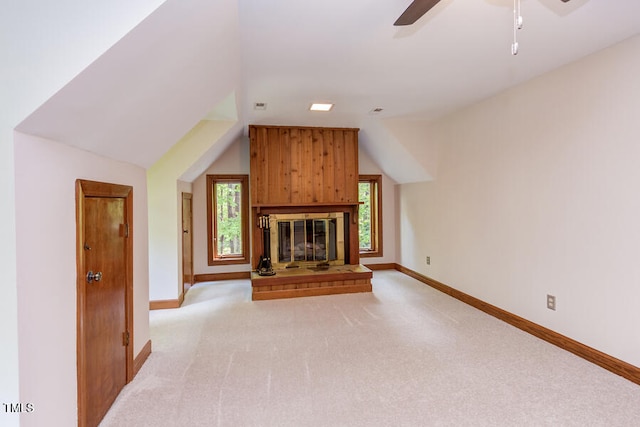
<point x="301" y="282"/>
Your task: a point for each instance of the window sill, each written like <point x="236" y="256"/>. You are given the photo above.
<point x="370" y="254"/>
<point x="229" y="261"/>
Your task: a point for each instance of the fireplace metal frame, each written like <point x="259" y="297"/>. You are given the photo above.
<point x="274" y="219"/>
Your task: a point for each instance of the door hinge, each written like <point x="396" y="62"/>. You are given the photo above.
<point x="125" y="338"/>
<point x="126" y="230"/>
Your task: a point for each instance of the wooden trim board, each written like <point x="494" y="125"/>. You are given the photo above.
<point x="141" y="357"/>
<point x="616" y="366"/>
<point x="167" y="303"/>
<point x="383" y="266"/>
<point x="213" y="277"/>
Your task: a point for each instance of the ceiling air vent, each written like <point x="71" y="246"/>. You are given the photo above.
<point x="260" y="106"/>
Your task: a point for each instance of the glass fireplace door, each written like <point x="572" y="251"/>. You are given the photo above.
<point x="308" y="241"/>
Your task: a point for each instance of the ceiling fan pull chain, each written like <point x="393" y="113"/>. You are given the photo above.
<point x="517" y="25"/>
<point x="519" y="17"/>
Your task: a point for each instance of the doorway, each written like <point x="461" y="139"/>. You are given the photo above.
<point x="187" y="242"/>
<point x="104" y="252"/>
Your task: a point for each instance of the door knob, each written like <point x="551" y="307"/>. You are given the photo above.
<point x="94" y="277"/>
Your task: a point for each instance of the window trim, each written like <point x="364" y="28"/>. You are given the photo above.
<point x="376" y="215"/>
<point x="213" y="258"/>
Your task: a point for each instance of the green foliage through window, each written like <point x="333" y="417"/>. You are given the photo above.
<point x="228" y="218"/>
<point x="370" y="215"/>
<point x="364" y="215"/>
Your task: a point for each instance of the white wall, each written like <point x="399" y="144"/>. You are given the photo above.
<point x="234" y="160"/>
<point x="45" y="44"/>
<point x="9" y="367"/>
<point x="367" y="166"/>
<point x="537" y="193"/>
<point x="46" y="172"/>
<point x="165" y="229"/>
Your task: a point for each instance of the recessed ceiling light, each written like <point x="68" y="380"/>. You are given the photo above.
<point x="260" y="106"/>
<point x="321" y="107"/>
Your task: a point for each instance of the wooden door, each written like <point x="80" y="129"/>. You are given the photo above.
<point x="105" y="356"/>
<point x="187" y="241"/>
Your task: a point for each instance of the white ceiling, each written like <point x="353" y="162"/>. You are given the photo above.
<point x="163" y="77"/>
<point x="147" y="91"/>
<point x="348" y="52"/>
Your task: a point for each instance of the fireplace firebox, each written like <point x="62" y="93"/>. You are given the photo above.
<point x="307" y="239"/>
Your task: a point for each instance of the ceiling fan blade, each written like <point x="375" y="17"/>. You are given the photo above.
<point x="415" y="11"/>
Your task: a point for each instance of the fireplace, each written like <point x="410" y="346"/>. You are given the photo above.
<point x="305" y="180"/>
<point x="307" y="240"/>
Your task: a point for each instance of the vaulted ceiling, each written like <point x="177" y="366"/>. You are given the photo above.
<point x="183" y="62"/>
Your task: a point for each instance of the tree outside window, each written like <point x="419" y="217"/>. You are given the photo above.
<point x="227" y="213"/>
<point x="364" y="215"/>
<point x="228" y="218"/>
<point x="370" y="215"/>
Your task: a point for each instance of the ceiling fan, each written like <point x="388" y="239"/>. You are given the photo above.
<point x="418" y="8"/>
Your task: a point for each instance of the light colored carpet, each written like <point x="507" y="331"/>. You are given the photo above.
<point x="404" y="355"/>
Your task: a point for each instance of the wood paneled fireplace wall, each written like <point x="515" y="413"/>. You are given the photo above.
<point x="306" y="170"/>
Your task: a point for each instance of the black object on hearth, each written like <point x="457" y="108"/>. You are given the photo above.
<point x="265" y="267"/>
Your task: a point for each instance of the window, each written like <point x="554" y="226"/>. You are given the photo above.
<point x="370" y="215"/>
<point x="228" y="219"/>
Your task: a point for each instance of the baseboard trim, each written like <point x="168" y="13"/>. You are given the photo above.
<point x="167" y="303"/>
<point x="141" y="358"/>
<point x="214" y="277"/>
<point x="383" y="266"/>
<point x="617" y="366"/>
<point x="164" y="304"/>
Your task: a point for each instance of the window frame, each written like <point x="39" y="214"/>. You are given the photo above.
<point x="212" y="255"/>
<point x="375" y="181"/>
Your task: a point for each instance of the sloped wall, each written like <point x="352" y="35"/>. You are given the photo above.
<point x="48" y="43"/>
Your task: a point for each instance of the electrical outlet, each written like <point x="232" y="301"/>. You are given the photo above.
<point x="551" y="302"/>
<point x="428" y="260"/>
